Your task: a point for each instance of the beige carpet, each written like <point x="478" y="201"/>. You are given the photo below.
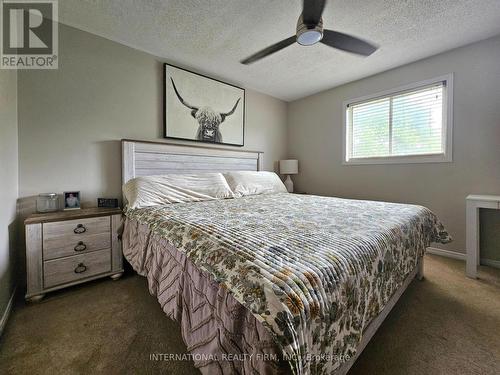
<point x="446" y="324"/>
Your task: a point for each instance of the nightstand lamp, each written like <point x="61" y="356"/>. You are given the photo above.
<point x="289" y="167"/>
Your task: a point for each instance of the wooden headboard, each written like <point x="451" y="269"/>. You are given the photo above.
<point x="145" y="158"/>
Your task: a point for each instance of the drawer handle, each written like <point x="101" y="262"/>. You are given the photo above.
<point x="80" y="268"/>
<point x="79" y="229"/>
<point x="80" y="246"/>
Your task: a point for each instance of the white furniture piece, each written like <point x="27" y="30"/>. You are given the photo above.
<point x="71" y="247"/>
<point x="289" y="167"/>
<point x="473" y="204"/>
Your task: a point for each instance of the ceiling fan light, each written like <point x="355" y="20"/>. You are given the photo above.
<point x="309" y="37"/>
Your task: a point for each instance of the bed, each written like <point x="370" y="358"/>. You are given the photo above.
<point x="273" y="283"/>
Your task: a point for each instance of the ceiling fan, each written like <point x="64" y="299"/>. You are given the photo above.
<point x="310" y="31"/>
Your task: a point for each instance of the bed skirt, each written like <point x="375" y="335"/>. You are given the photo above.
<point x="221" y="335"/>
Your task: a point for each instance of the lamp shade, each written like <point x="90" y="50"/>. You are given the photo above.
<point x="289" y="166"/>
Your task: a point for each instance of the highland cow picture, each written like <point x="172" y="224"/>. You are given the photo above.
<point x="202" y="109"/>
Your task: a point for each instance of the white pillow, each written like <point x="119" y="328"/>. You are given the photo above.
<point x="252" y="183"/>
<point x="175" y="188"/>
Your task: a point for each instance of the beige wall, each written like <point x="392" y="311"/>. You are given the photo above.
<point x="71" y="119"/>
<point x="490" y="235"/>
<point x="8" y="184"/>
<point x="315" y="138"/>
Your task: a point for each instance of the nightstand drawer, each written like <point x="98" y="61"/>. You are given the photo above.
<point x="57" y="247"/>
<point x="73" y="268"/>
<point x="76" y="229"/>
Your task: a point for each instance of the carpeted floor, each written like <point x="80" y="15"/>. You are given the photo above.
<point x="446" y="324"/>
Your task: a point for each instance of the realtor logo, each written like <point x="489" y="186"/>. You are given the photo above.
<point x="29" y="37"/>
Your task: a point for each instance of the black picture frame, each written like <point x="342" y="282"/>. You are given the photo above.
<point x="165" y="108"/>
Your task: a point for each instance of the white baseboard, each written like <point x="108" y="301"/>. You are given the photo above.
<point x="446" y="253"/>
<point x="6" y="313"/>
<point x="490" y="262"/>
<point x="461" y="256"/>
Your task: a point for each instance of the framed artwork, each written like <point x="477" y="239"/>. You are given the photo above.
<point x="198" y="108"/>
<point x="71" y="200"/>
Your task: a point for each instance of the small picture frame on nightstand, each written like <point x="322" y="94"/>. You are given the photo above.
<point x="72" y="200"/>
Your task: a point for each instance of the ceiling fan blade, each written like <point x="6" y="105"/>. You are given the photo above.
<point x="269" y="50"/>
<point x="347" y="43"/>
<point x="312" y="11"/>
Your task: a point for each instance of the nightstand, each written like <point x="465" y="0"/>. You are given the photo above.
<point x="473" y="204"/>
<point x="71" y="247"/>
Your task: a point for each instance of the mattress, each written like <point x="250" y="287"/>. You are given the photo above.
<point x="310" y="272"/>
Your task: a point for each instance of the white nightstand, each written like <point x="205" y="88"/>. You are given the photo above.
<point x="474" y="203"/>
<point x="71" y="247"/>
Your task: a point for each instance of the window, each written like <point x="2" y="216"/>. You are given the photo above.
<point x="411" y="124"/>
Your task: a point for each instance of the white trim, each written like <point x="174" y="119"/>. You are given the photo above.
<point x="445" y="157"/>
<point x="446" y="253"/>
<point x="490" y="262"/>
<point x="408" y="159"/>
<point x="7" y="311"/>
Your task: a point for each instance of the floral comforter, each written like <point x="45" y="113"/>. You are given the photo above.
<point x="313" y="270"/>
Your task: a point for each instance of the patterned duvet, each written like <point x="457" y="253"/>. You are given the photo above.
<point x="313" y="270"/>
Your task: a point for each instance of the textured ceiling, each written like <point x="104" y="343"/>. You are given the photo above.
<point x="211" y="36"/>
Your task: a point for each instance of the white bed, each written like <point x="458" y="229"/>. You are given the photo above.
<point x="143" y="158"/>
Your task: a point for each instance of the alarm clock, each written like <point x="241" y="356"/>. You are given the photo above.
<point x="107" y="202"/>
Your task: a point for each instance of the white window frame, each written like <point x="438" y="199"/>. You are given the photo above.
<point x="444" y="157"/>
